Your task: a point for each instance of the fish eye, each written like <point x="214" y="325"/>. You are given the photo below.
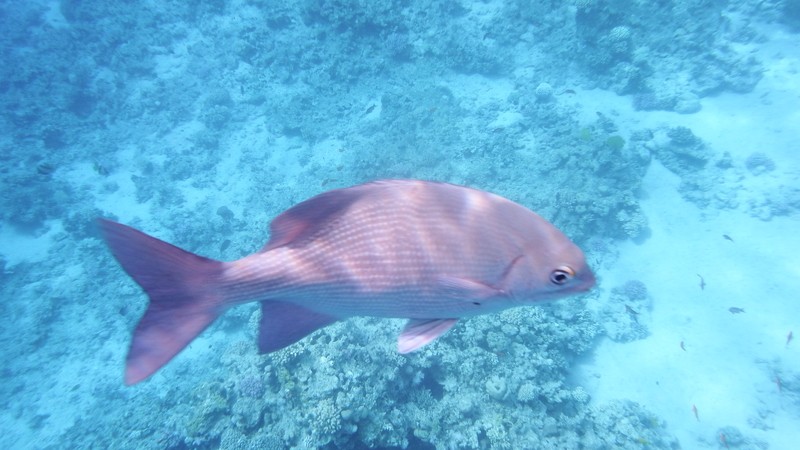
<point x="561" y="275"/>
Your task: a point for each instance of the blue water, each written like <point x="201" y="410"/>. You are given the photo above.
<point x="661" y="137"/>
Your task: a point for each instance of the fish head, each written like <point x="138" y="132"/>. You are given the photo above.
<point x="548" y="274"/>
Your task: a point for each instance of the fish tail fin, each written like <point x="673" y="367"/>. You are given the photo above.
<point x="182" y="287"/>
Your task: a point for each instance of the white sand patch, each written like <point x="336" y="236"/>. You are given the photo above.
<point x="476" y="91"/>
<point x="17" y="247"/>
<point x="729" y="367"/>
<point x="173" y="61"/>
<point x="119" y="196"/>
<point x="719" y="371"/>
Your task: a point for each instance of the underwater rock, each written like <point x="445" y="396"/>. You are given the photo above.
<point x="650" y="101"/>
<point x="758" y="163"/>
<point x="216" y="117"/>
<point x="251" y="386"/>
<point x="543" y="92"/>
<point x="687" y="104"/>
<point x="680" y="151"/>
<point x="496" y="388"/>
<point x="633" y="223"/>
<point x="633" y="290"/>
<point x="727" y="70"/>
<point x="527" y="392"/>
<point x="54" y="139"/>
<point x="791" y="14"/>
<point x="639" y="428"/>
<point x="682" y="137"/>
<point x="398" y="46"/>
<point x="619" y="39"/>
<point x="225" y="213"/>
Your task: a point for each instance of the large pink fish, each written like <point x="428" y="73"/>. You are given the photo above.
<point x="429" y="252"/>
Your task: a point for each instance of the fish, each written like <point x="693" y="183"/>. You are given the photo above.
<point x="702" y="282"/>
<point x="723" y="440"/>
<point x="45" y="169"/>
<point x="426" y="251"/>
<point x="735" y="310"/>
<point x="789" y="338"/>
<point x="631" y="311"/>
<point x="726" y="237"/>
<point x="683" y="346"/>
<point x="696" y="415"/>
<point x="101" y="169"/>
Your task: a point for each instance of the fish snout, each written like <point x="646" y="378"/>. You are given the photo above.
<point x="585" y="281"/>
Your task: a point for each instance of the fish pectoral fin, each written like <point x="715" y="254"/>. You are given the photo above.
<point x="421" y="332"/>
<point x="283" y="324"/>
<point x="455" y="287"/>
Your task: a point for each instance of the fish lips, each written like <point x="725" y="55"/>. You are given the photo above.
<point x="584" y="281"/>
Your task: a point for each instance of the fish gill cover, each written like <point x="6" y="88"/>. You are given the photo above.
<point x="200" y="121"/>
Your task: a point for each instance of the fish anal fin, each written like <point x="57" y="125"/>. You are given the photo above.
<point x="283" y="324"/>
<point x="421" y="332"/>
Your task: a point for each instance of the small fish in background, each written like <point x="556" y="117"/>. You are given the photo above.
<point x="723" y="440"/>
<point x="694" y="411"/>
<point x="683" y="347"/>
<point x="727" y="237"/>
<point x="631" y="311"/>
<point x="789" y="338"/>
<point x="425" y="251"/>
<point x="100" y="169"/>
<point x="735" y="310"/>
<point x="634" y="315"/>
<point x="702" y="282"/>
<point x="45" y="169"/>
<point x="778" y="383"/>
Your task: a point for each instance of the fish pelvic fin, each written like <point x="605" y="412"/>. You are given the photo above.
<point x="182" y="291"/>
<point x="421" y="332"/>
<point x="283" y="324"/>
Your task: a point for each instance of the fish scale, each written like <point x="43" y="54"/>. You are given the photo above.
<point x="429" y="252"/>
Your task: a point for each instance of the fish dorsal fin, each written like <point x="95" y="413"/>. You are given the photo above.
<point x="283" y="324"/>
<point x="421" y="332"/>
<point x="303" y="220"/>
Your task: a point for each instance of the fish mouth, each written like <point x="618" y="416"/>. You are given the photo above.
<point x="586" y="281"/>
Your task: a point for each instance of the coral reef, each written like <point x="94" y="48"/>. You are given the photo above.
<point x="626" y="313"/>
<point x="543" y="92"/>
<point x="758" y="163"/>
<point x="617" y="40"/>
<point x="791" y="13"/>
<point x="686" y="155"/>
<point x="346" y="386"/>
<point x="200" y="121"/>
